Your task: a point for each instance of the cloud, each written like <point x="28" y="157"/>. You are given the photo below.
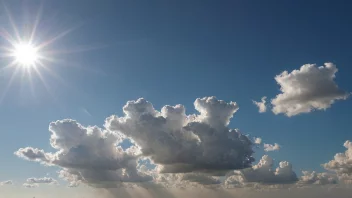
<point x="257" y="140"/>
<point x="307" y="89"/>
<point x="33" y="154"/>
<point x="342" y="163"/>
<point x="264" y="173"/>
<point x="201" y="178"/>
<point x="27" y="185"/>
<point x="8" y="182"/>
<point x="270" y="147"/>
<point x="44" y="180"/>
<point x="317" y="178"/>
<point x="183" y="143"/>
<point x="87" y="155"/>
<point x="261" y="105"/>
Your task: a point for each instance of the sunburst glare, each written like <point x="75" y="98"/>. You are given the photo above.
<point x="28" y="53"/>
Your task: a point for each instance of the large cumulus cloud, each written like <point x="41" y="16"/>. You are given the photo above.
<point x="87" y="154"/>
<point x="309" y="88"/>
<point x="197" y="147"/>
<point x="184" y="143"/>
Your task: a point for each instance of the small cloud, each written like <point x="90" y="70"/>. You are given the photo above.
<point x="261" y="105"/>
<point x="44" y="180"/>
<point x="270" y="147"/>
<point x="309" y="88"/>
<point x="257" y="140"/>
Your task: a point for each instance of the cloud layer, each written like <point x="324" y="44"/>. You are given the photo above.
<point x="309" y="88"/>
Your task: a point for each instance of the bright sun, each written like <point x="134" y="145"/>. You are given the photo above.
<point x="25" y="54"/>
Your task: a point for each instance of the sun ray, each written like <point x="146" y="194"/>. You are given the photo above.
<point x="33" y="55"/>
<point x="36" y="23"/>
<point x="3" y="95"/>
<point x="13" y="25"/>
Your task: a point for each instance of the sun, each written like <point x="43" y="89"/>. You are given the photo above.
<point x="25" y="54"/>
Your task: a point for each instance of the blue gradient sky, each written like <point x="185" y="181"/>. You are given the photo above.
<point x="174" y="52"/>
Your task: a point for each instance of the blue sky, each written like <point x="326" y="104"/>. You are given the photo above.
<point x="172" y="53"/>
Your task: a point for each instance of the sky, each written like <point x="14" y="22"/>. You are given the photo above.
<point x="258" y="83"/>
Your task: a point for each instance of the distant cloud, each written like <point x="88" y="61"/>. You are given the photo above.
<point x="257" y="140"/>
<point x="261" y="105"/>
<point x="342" y="164"/>
<point x="263" y="172"/>
<point x="317" y="178"/>
<point x="270" y="147"/>
<point x="44" y="180"/>
<point x="307" y="89"/>
<point x="8" y="182"/>
<point x="26" y="185"/>
<point x="86" y="154"/>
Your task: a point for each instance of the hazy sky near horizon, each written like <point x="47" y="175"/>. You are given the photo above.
<point x="279" y="72"/>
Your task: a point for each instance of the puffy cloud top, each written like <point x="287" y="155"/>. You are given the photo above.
<point x="306" y="89"/>
<point x="342" y="163"/>
<point x="317" y="178"/>
<point x="264" y="173"/>
<point x="184" y="143"/>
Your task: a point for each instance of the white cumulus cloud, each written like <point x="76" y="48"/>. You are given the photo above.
<point x="309" y="88"/>
<point x="261" y="105"/>
<point x="270" y="147"/>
